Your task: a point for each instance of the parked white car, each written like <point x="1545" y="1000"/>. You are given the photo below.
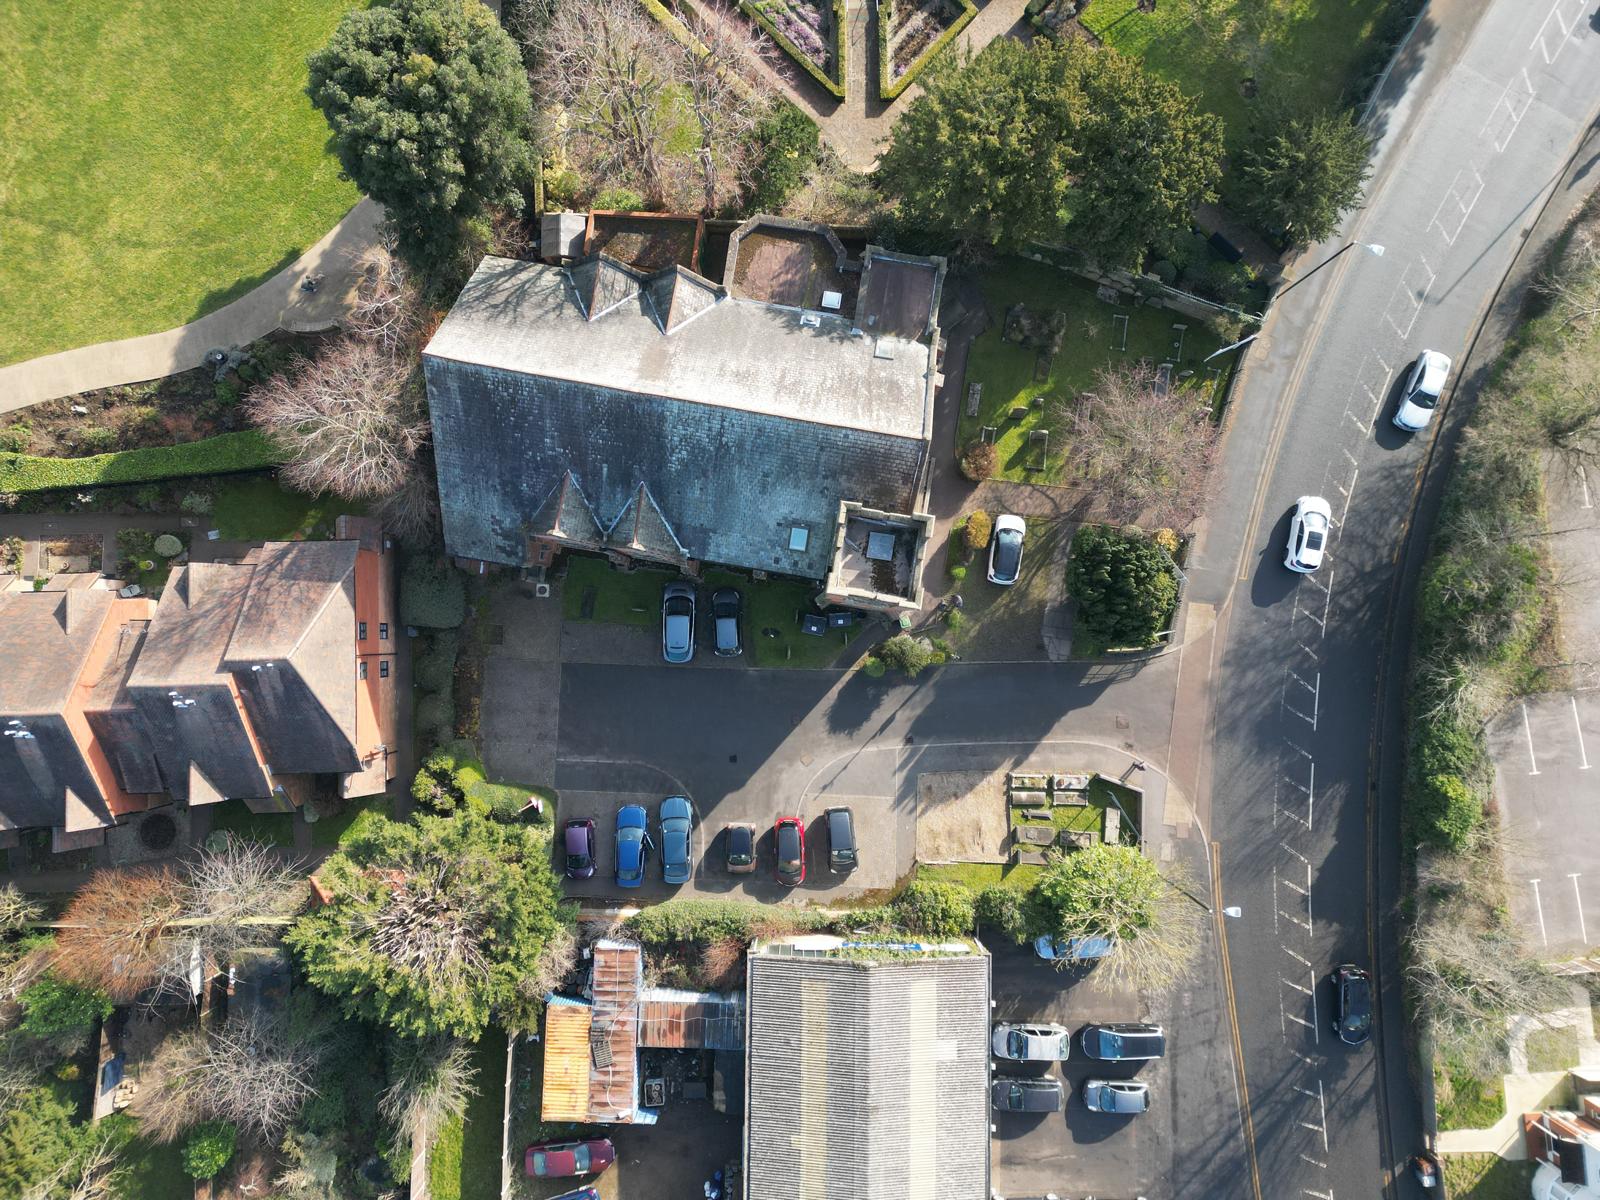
<point x="1031" y="1043"/>
<point x="1308" y="534"/>
<point x="1423" y="388"/>
<point x="1005" y="549"/>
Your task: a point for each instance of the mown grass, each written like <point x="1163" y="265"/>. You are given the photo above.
<point x="1486" y="1177"/>
<point x="620" y="597"/>
<point x="268" y="829"/>
<point x="1316" y="51"/>
<point x="978" y="876"/>
<point x="154" y="1171"/>
<point x="330" y="831"/>
<point x="1552" y="1049"/>
<point x="258" y="509"/>
<point x="1093" y="341"/>
<point x="162" y="159"/>
<point x="772" y="611"/>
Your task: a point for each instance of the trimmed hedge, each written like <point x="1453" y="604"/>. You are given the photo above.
<point x="752" y="9"/>
<point x="247" y="450"/>
<point x="892" y="91"/>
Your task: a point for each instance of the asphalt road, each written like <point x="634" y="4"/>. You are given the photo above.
<point x="1500" y="95"/>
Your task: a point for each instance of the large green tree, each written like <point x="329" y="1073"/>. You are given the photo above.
<point x="434" y="924"/>
<point x="1123" y="583"/>
<point x="1300" y="173"/>
<point x="1022" y="141"/>
<point x="430" y="112"/>
<point x="1110" y="891"/>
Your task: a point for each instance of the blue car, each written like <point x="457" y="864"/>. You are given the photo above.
<point x="677" y="818"/>
<point x="1078" y="949"/>
<point x="633" y="845"/>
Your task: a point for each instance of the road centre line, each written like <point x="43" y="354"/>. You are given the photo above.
<point x="1577" y="725"/>
<point x="1539" y="907"/>
<point x="1528" y="732"/>
<point x="1583" y="926"/>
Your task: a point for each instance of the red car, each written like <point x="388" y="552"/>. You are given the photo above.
<point x="560" y="1160"/>
<point x="790" y="838"/>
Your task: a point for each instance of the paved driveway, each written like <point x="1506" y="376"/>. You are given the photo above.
<point x="1541" y="749"/>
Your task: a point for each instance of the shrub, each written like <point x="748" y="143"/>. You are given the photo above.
<point x="249" y="450"/>
<point x="435" y="784"/>
<point x="958" y="572"/>
<point x="1447" y="810"/>
<point x="196" y="503"/>
<point x="1000" y="908"/>
<point x="705" y="922"/>
<point x="977" y="531"/>
<point x="1167" y="539"/>
<point x="1164" y="271"/>
<point x="431" y="593"/>
<point x="787" y="149"/>
<point x="619" y="199"/>
<point x="167" y="546"/>
<point x="979" y="461"/>
<point x="436" y="711"/>
<point x="436" y="666"/>
<point x="96" y="439"/>
<point x="874" y="668"/>
<point x="1123" y="584"/>
<point x="935" y="908"/>
<point x="906" y="654"/>
<point x="14" y="439"/>
<point x="561" y="188"/>
<point x="1446" y="747"/>
<point x="208" y="1148"/>
<point x="955" y="619"/>
<point x="53" y="1008"/>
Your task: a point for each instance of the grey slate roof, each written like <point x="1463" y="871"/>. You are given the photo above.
<point x="867" y="1079"/>
<point x="739" y="421"/>
<point x="45" y="638"/>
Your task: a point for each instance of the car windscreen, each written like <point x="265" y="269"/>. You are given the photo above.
<point x="789" y="845"/>
<point x="1016" y="1043"/>
<point x="1423" y="399"/>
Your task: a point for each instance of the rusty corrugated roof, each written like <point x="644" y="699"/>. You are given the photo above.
<point x="614" y="1032"/>
<point x="565" y="1096"/>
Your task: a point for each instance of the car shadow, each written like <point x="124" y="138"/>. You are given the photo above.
<point x="1385" y="432"/>
<point x="1272" y="582"/>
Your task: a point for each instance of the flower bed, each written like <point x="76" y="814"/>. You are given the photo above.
<point x="910" y="36"/>
<point x="810" y="31"/>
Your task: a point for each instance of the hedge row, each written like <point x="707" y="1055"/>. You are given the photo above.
<point x="892" y="91"/>
<point x="753" y="10"/>
<point x="248" y="450"/>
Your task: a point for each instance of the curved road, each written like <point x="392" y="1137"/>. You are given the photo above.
<point x="1496" y="98"/>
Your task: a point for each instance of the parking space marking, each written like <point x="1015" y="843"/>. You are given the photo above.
<point x="1514" y="102"/>
<point x="1577" y="724"/>
<point x="1314" y="1162"/>
<point x="1539" y="907"/>
<point x="1528" y="732"/>
<point x="1566" y="28"/>
<point x="1583" y="926"/>
<point x="1315" y="688"/>
<point x="1457" y="192"/>
<point x="1583" y="482"/>
<point x="1407" y="287"/>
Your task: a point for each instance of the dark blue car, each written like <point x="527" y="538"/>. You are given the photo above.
<point x="677" y="818"/>
<point x="633" y="845"/>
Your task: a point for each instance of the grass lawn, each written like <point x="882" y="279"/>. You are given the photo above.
<point x="1310" y="49"/>
<point x="1092" y="816"/>
<point x="1552" y="1049"/>
<point x="1009" y="371"/>
<point x="255" y="508"/>
<point x="978" y="876"/>
<point x="776" y="605"/>
<point x="596" y="591"/>
<point x="1468" y="1103"/>
<point x="464" y="1163"/>
<point x="269" y="829"/>
<point x="1486" y="1177"/>
<point x="162" y="159"/>
<point x="154" y="1172"/>
<point x="330" y="831"/>
<point x="1006" y="623"/>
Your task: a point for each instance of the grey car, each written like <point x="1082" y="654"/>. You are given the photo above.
<point x="1031" y="1043"/>
<point x="725" y="606"/>
<point x="841" y="840"/>
<point x="1124" y="1042"/>
<point x="1026" y="1095"/>
<point x="1121" y="1097"/>
<point x="677" y="819"/>
<point x="677" y="622"/>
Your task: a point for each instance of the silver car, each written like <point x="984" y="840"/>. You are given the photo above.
<point x="1124" y="1097"/>
<point x="677" y="622"/>
<point x="1031" y="1043"/>
<point x="1423" y="389"/>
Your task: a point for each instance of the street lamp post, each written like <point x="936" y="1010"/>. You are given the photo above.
<point x="1375" y="250"/>
<point x="1233" y="910"/>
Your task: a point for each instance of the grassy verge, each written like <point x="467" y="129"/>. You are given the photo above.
<point x="257" y="509"/>
<point x="772" y="609"/>
<point x="1010" y="372"/>
<point x="269" y="829"/>
<point x="479" y="1168"/>
<point x="1552" y="1049"/>
<point x="978" y="876"/>
<point x="170" y="157"/>
<point x="1318" y="52"/>
<point x="1486" y="1177"/>
<point x="1466" y="1102"/>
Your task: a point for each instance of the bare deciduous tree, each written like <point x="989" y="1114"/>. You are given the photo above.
<point x="430" y="1081"/>
<point x="556" y="963"/>
<point x="728" y="102"/>
<point x="411" y="512"/>
<point x="16" y="909"/>
<point x="388" y="310"/>
<point x="1149" y="448"/>
<point x="1574" y="286"/>
<point x="249" y="1071"/>
<point x="351" y="419"/>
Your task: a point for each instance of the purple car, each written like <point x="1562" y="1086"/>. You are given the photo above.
<point x="579" y="845"/>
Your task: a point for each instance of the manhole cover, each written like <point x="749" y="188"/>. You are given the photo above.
<point x="158" y="831"/>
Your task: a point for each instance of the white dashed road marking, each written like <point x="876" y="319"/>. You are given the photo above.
<point x="1528" y="731"/>
<point x="1583" y="926"/>
<point x="1539" y="905"/>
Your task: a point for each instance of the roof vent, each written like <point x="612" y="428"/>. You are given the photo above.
<point x="883" y="349"/>
<point x="799" y="538"/>
<point x="833" y="301"/>
<point x="810" y="320"/>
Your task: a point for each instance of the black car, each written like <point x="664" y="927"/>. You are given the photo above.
<point x="725" y="605"/>
<point x="1124" y="1042"/>
<point x="841" y="827"/>
<point x="1026" y="1095"/>
<point x="739" y="847"/>
<point x="1352" y="1004"/>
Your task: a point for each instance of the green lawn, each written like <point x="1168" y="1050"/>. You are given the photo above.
<point x="619" y="597"/>
<point x="254" y="508"/>
<point x="155" y="1172"/>
<point x="1092" y="816"/>
<point x="330" y="831"/>
<point x="1486" y="1177"/>
<point x="1468" y="1103"/>
<point x="978" y="876"/>
<point x="1312" y="50"/>
<point x="269" y="829"/>
<point x="160" y="159"/>
<point x="464" y="1162"/>
<point x="1009" y="371"/>
<point x="775" y="605"/>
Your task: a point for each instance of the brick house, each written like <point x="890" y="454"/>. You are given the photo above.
<point x="248" y="680"/>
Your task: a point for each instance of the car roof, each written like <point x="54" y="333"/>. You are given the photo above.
<point x="1435" y="366"/>
<point x="631" y="816"/>
<point x="577" y="836"/>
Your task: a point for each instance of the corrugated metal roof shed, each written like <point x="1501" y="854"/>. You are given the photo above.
<point x="614" y="1032"/>
<point x="677" y="1020"/>
<point x="565" y="1094"/>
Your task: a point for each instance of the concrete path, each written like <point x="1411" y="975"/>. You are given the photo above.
<point x="277" y="304"/>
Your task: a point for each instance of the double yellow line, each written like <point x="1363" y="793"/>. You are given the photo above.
<point x="1221" y="922"/>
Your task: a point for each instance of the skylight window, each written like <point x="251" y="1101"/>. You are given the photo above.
<point x="799" y="538"/>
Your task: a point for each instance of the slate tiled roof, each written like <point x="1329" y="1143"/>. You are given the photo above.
<point x="740" y="419"/>
<point x="867" y="1079"/>
<point x="45" y="638"/>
